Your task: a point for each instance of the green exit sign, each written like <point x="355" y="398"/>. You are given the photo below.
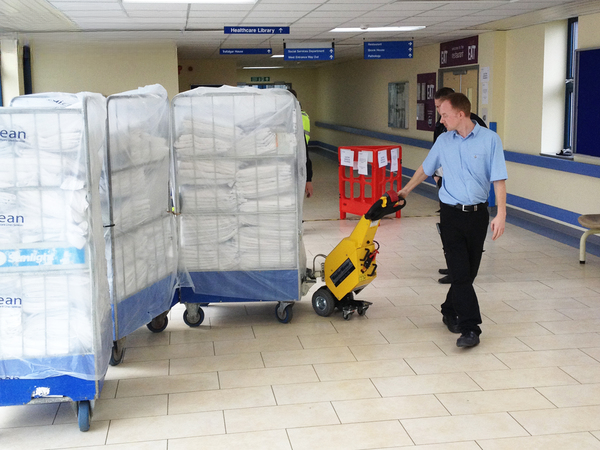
<point x="260" y="78"/>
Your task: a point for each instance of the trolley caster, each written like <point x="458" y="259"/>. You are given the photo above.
<point x="284" y="312"/>
<point x="362" y="308"/>
<point x="159" y="323"/>
<point x="323" y="302"/>
<point x="193" y="315"/>
<point x="118" y="350"/>
<point x="348" y="313"/>
<point x="83" y="415"/>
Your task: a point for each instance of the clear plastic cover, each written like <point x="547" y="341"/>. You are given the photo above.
<point x="140" y="232"/>
<point x="54" y="300"/>
<point x="241" y="170"/>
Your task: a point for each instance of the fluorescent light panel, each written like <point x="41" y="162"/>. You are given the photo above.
<point x="376" y="29"/>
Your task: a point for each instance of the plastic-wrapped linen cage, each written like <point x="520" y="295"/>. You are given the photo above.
<point x="54" y="302"/>
<point x="140" y="227"/>
<point x="240" y="166"/>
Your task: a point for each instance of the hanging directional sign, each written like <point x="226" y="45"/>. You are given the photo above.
<point x="389" y="50"/>
<point x="257" y="30"/>
<point x="246" y="51"/>
<point x="309" y="54"/>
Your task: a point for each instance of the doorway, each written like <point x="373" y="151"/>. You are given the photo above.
<point x="463" y="79"/>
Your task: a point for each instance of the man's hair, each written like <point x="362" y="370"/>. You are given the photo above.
<point x="443" y="92"/>
<point x="459" y="102"/>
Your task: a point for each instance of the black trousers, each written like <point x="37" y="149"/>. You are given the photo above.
<point x="463" y="235"/>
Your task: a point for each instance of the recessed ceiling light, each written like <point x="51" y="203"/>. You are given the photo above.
<point x="222" y="2"/>
<point x="375" y="29"/>
<point x="277" y="56"/>
<point x="266" y="67"/>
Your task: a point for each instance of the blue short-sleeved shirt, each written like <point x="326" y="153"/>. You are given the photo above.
<point x="470" y="164"/>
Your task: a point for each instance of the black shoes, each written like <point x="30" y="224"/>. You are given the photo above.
<point x="468" y="339"/>
<point x="452" y="323"/>
<point x="445" y="280"/>
<point x="443" y="271"/>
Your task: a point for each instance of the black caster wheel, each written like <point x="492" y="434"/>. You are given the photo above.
<point x="348" y="315"/>
<point x="284" y="315"/>
<point x="83" y="415"/>
<point x="158" y="324"/>
<point x="198" y="320"/>
<point x="116" y="355"/>
<point x="323" y="302"/>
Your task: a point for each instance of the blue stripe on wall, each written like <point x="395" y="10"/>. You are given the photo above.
<point x="545" y="210"/>
<point x="546" y="162"/>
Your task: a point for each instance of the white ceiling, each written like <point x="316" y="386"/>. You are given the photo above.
<point x="197" y="29"/>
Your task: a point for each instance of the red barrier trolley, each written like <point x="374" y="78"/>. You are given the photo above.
<point x="358" y="192"/>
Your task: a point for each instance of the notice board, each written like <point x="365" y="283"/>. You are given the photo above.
<point x="587" y="99"/>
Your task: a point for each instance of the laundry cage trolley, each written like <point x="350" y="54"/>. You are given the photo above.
<point x="54" y="301"/>
<point x="140" y="229"/>
<point x="240" y="170"/>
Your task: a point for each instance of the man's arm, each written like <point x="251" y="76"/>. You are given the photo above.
<point x="416" y="179"/>
<point x="500" y="220"/>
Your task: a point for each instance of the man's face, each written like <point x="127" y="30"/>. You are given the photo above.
<point x="450" y="117"/>
<point x="438" y="102"/>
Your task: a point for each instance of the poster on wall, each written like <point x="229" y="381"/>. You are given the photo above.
<point x="425" y="101"/>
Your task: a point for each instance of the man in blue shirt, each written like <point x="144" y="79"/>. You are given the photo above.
<point x="472" y="157"/>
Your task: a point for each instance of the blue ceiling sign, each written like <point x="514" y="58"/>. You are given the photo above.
<point x="246" y="51"/>
<point x="389" y="50"/>
<point x="309" y="54"/>
<point x="256" y="30"/>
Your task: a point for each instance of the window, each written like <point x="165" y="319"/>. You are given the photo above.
<point x="398" y="105"/>
<point x="570" y="87"/>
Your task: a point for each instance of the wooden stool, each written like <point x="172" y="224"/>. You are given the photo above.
<point x="591" y="221"/>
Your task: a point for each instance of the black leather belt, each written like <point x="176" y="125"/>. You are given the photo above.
<point x="470" y="208"/>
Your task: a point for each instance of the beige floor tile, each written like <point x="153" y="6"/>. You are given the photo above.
<point x="324" y="391"/>
<point x="424" y="384"/>
<point x="581" y="313"/>
<point x="168" y="385"/>
<point x="461" y="363"/>
<point x="159" y="352"/>
<point x="462" y="428"/>
<point x="343" y="339"/>
<point x="524" y="316"/>
<point x="272" y="440"/>
<point x="267" y="376"/>
<point x="165" y="427"/>
<point x="562" y="341"/>
<point x="138" y="369"/>
<point x="362" y="369"/>
<point x="53" y="436"/>
<point x="257" y="345"/>
<point x="513" y="329"/>
<point x="561" y="420"/>
<point x="395" y="336"/>
<point x="28" y="415"/>
<point x="583" y="374"/>
<point x="349" y="437"/>
<point x="214" y="363"/>
<point x="120" y="408"/>
<point x="153" y="445"/>
<point x="572" y="326"/>
<point x="145" y="338"/>
<point x="579" y="441"/>
<point x="279" y="417"/>
<point x="109" y="389"/>
<point x="366" y="325"/>
<point x="467" y="445"/>
<point x="523" y="378"/>
<point x="207" y="334"/>
<point x="561" y="304"/>
<point x="394" y="351"/>
<point x="593" y="352"/>
<point x="483" y="402"/>
<point x="577" y="395"/>
<point x="310" y="356"/>
<point x="294" y="329"/>
<point x="215" y="400"/>
<point x="370" y="410"/>
<point x="545" y="358"/>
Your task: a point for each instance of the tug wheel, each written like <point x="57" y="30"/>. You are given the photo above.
<point x="323" y="302"/>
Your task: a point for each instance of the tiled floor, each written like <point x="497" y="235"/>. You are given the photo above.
<point x="392" y="379"/>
